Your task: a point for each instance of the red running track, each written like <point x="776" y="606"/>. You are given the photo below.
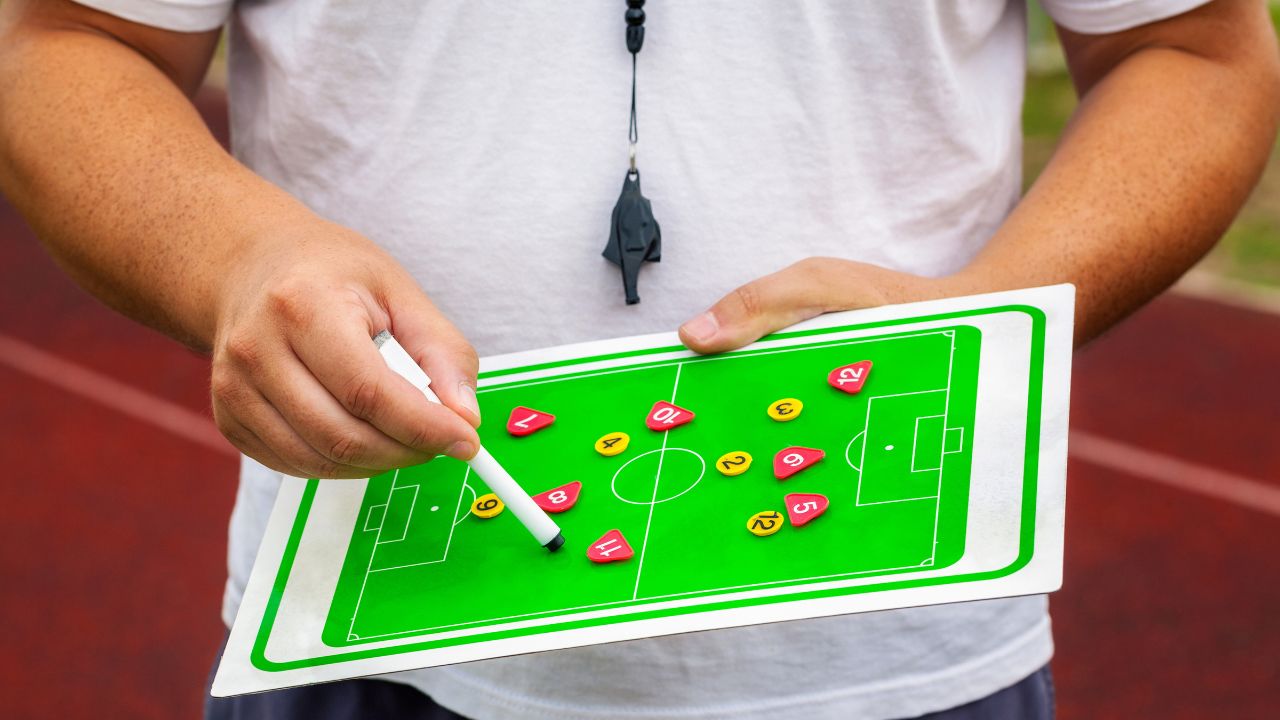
<point x="112" y="561"/>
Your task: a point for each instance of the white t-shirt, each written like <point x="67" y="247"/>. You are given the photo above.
<point x="484" y="144"/>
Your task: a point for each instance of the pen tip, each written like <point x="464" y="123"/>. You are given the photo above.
<point x="556" y="542"/>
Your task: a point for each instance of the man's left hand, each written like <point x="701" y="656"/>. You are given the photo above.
<point x="798" y="292"/>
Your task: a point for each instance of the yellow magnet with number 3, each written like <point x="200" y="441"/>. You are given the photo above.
<point x="765" y="523"/>
<point x="786" y="409"/>
<point x="487" y="506"/>
<point x="734" y="463"/>
<point x="613" y="443"/>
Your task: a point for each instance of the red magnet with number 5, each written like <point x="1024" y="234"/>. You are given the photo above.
<point x="803" y="507"/>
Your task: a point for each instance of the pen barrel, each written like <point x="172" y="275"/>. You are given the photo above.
<point x="534" y="518"/>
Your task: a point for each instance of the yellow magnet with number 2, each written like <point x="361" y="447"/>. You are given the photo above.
<point x="734" y="463"/>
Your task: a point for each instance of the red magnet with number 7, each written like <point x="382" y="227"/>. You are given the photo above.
<point x="526" y="421"/>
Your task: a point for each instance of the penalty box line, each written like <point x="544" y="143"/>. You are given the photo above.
<point x="452" y="527"/>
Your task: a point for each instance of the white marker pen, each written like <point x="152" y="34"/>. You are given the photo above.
<point x="537" y="522"/>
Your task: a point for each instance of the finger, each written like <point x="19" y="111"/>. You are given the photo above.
<point x="326" y="425"/>
<point x="246" y="418"/>
<point x="250" y="444"/>
<point x="340" y="354"/>
<point x="439" y="349"/>
<point x="757" y="309"/>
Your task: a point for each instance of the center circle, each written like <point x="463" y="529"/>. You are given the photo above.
<point x="634" y="482"/>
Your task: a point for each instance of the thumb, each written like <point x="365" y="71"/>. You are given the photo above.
<point x="438" y="347"/>
<point x="755" y="310"/>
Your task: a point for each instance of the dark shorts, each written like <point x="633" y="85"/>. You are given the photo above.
<point x="1030" y="699"/>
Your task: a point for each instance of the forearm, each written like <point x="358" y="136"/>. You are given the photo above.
<point x="110" y="163"/>
<point x="1156" y="162"/>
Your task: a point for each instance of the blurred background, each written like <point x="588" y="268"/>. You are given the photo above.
<point x="119" y="487"/>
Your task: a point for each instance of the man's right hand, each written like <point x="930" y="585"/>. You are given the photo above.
<point x="297" y="382"/>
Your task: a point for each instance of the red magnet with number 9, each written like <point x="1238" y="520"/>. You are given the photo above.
<point x="791" y="460"/>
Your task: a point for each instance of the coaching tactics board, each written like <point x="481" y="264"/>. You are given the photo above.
<point x="882" y="458"/>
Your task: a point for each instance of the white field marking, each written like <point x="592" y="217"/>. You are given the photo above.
<point x="111" y="393"/>
<point x="942" y="463"/>
<point x="712" y="358"/>
<point x="708" y="591"/>
<point x="613" y="485"/>
<point x="404" y="533"/>
<point x="447" y="543"/>
<point x="351" y="629"/>
<point x="915" y="441"/>
<point x="1175" y="472"/>
<point x="947" y="431"/>
<point x="459" y="517"/>
<point x="657" y="480"/>
<point x="849" y="447"/>
<point x="899" y="500"/>
<point x="369" y="518"/>
<point x="866" y="425"/>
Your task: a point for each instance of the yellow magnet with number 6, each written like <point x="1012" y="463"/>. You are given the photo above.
<point x="487" y="506"/>
<point x="786" y="409"/>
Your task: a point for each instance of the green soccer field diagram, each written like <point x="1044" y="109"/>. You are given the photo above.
<point x="896" y="473"/>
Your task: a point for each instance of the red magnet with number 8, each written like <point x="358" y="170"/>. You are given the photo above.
<point x="557" y="500"/>
<point x="665" y="416"/>
<point x="527" y="421"/>
<point x="803" y="507"/>
<point x="850" y="378"/>
<point x="791" y="460"/>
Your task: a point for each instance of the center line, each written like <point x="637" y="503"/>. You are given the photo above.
<point x="653" y="502"/>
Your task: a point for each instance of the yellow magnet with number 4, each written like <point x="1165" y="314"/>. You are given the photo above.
<point x="613" y="443"/>
<point x="786" y="409"/>
<point x="765" y="523"/>
<point x="487" y="506"/>
<point x="734" y="463"/>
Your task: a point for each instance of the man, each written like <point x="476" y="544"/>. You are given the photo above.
<point x="817" y="156"/>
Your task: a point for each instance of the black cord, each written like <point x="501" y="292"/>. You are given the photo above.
<point x="633" y="133"/>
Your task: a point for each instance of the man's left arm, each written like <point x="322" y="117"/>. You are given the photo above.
<point x="1175" y="124"/>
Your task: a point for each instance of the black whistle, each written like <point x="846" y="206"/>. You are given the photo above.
<point x="634" y="237"/>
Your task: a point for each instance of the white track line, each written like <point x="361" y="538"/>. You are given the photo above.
<point x="1173" y="472"/>
<point x="112" y="393"/>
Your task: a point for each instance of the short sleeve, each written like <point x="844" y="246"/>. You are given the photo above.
<point x="177" y="15"/>
<point x="1097" y="17"/>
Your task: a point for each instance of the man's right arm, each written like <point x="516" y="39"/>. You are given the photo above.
<point x="103" y="153"/>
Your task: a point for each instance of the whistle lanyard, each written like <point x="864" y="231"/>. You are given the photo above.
<point x="634" y="236"/>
